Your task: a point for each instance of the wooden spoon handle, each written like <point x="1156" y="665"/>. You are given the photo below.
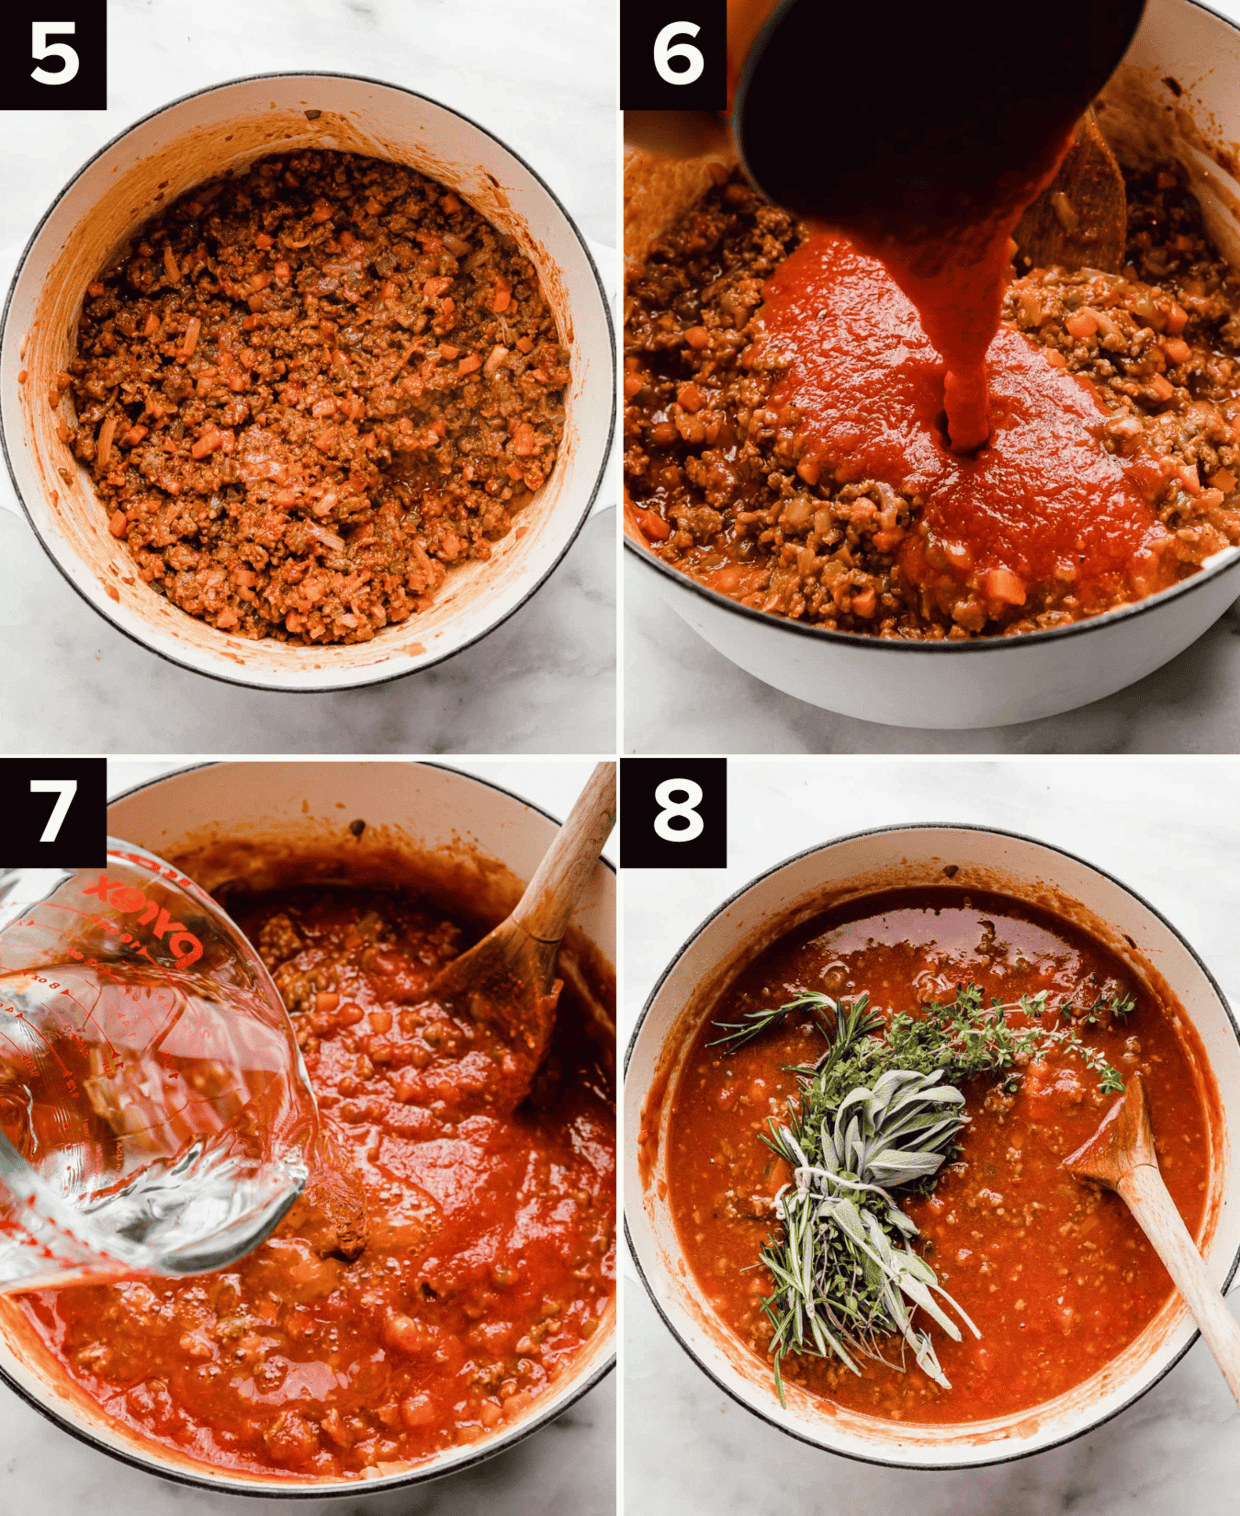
<point x="558" y="881"/>
<point x="1148" y="1200"/>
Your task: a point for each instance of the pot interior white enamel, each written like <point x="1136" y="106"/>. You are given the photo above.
<point x="305" y="807"/>
<point x="772" y="905"/>
<point x="198" y="138"/>
<point x="1176" y="97"/>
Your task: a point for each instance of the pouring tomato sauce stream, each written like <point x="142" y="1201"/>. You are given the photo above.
<point x="886" y="321"/>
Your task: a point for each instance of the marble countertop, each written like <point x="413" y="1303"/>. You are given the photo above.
<point x="681" y="695"/>
<point x="1171" y="832"/>
<point x="542" y="76"/>
<point x="565" y="1469"/>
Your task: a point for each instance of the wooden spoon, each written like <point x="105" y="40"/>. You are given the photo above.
<point x="506" y="981"/>
<point x="1120" y="1156"/>
<point x="1080" y="220"/>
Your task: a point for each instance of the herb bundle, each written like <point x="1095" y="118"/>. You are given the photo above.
<point x="878" y="1112"/>
<point x="845" y="1271"/>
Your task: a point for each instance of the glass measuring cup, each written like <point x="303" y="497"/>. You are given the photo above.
<point x="155" y="1113"/>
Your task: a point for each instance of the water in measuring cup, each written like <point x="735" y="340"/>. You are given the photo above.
<point x="154" y="1110"/>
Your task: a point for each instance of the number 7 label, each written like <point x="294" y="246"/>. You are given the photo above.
<point x="64" y="790"/>
<point x="71" y="831"/>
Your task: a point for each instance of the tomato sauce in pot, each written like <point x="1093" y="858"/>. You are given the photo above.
<point x="1044" y="504"/>
<point x="490" y="1254"/>
<point x="1056" y="1275"/>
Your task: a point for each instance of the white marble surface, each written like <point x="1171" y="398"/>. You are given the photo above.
<point x="682" y="696"/>
<point x="1169" y="830"/>
<point x="542" y="76"/>
<point x="566" y="1469"/>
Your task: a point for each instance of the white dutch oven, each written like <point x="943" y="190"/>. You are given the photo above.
<point x="763" y="911"/>
<point x="952" y="685"/>
<point x="170" y="152"/>
<point x="423" y="808"/>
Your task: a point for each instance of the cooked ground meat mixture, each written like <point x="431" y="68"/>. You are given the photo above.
<point x="729" y="484"/>
<point x="306" y="391"/>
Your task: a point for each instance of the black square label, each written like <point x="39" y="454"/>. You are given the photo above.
<point x="53" y="813"/>
<point x="673" y="55"/>
<point x="54" y="55"/>
<point x="674" y="813"/>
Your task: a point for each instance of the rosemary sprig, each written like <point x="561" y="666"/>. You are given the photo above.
<point x="752" y="1023"/>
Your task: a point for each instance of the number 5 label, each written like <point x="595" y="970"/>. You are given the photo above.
<point x="674" y="813"/>
<point x="41" y="47"/>
<point x="53" y="812"/>
<point x="54" y="55"/>
<point x="673" y="55"/>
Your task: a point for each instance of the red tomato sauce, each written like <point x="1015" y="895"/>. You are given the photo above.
<point x="1043" y="504"/>
<point x="1056" y="1275"/>
<point x="491" y="1239"/>
<point x="954" y="274"/>
<point x="946" y="249"/>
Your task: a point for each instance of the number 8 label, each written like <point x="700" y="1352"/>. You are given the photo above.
<point x="686" y="809"/>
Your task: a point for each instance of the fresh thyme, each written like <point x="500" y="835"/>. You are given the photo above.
<point x="963" y="1037"/>
<point x="879" y="1112"/>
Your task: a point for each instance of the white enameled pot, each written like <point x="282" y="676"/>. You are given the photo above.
<point x="194" y="139"/>
<point x="291" y="810"/>
<point x="773" y="904"/>
<point x="1175" y="96"/>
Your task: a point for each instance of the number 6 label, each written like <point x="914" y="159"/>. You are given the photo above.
<point x="673" y="55"/>
<point x="665" y="51"/>
<point x="674" y="813"/>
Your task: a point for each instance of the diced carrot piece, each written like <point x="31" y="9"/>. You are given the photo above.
<point x="1003" y="585"/>
<point x="653" y="527"/>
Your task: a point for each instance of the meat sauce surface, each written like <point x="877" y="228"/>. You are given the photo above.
<point x="1056" y="1275"/>
<point x="1043" y="503"/>
<point x="307" y="391"/>
<point x="491" y="1239"/>
<point x="786" y="443"/>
